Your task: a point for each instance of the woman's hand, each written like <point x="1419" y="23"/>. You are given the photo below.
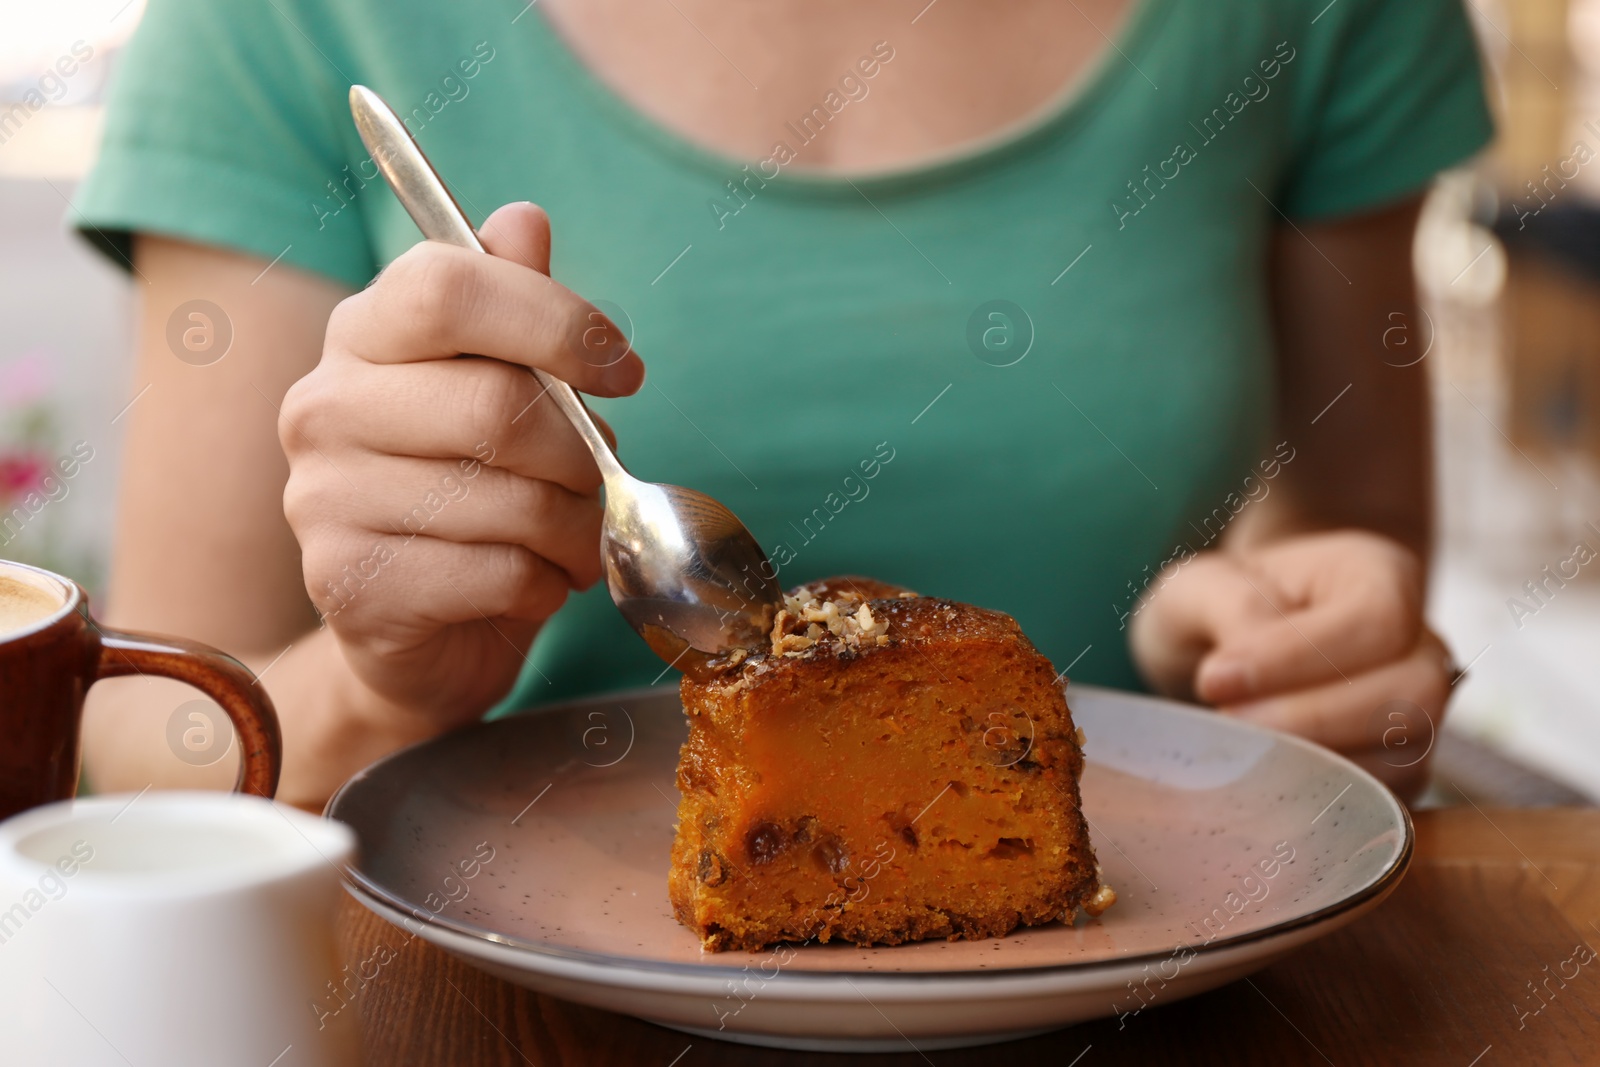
<point x="1319" y="635"/>
<point x="443" y="509"/>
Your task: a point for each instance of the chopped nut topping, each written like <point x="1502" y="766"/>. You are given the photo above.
<point x="805" y="622"/>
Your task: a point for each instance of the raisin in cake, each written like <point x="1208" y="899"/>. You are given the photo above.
<point x="893" y="768"/>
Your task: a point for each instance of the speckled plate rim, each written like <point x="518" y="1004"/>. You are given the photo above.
<point x="369" y="892"/>
<point x="899" y="987"/>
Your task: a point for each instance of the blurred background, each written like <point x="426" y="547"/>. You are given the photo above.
<point x="1508" y="257"/>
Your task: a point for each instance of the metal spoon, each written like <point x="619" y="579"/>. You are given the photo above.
<point x="682" y="569"/>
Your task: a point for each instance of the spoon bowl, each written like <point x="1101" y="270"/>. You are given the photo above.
<point x="683" y="570"/>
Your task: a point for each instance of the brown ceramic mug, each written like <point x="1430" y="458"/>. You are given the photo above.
<point x="51" y="652"/>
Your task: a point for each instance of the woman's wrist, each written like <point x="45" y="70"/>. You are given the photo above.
<point x="333" y="723"/>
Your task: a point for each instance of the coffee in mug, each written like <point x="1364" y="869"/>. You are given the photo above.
<point x="52" y="651"/>
<point x="26" y="599"/>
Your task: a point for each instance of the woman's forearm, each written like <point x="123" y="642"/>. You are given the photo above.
<point x="1353" y="391"/>
<point x="333" y="724"/>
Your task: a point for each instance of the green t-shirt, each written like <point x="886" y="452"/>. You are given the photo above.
<point x="1023" y="377"/>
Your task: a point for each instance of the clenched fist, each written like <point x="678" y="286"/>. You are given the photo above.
<point x="1319" y="635"/>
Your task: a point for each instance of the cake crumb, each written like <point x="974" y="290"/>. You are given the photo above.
<point x="1103" y="898"/>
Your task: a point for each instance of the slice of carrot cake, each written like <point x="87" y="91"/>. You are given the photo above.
<point x="892" y="768"/>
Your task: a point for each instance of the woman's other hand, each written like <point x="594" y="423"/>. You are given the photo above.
<point x="1319" y="635"/>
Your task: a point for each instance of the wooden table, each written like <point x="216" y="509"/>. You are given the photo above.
<point x="1443" y="972"/>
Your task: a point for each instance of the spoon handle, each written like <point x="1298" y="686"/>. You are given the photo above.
<point x="424" y="195"/>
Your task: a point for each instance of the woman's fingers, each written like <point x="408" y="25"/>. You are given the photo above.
<point x="520" y="233"/>
<point x="412" y="498"/>
<point x="400" y="592"/>
<point x="1325" y="642"/>
<point x="1396" y="708"/>
<point x="436" y="301"/>
<point x="1184" y="615"/>
<point x="467" y="409"/>
<point x="1337" y="604"/>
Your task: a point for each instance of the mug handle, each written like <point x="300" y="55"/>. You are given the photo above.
<point x="220" y="677"/>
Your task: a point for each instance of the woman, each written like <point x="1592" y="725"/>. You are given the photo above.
<point x="1076" y="311"/>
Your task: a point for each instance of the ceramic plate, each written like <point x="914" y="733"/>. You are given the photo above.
<point x="536" y="847"/>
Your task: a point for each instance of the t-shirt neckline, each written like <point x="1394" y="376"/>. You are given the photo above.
<point x="1100" y="76"/>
